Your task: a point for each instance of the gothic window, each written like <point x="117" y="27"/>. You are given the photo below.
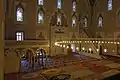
<point x="59" y="19"/>
<point x="19" y="14"/>
<point x="19" y="36"/>
<point x="85" y="22"/>
<point x="59" y="4"/>
<point x="74" y="6"/>
<point x="40" y="17"/>
<point x="73" y="21"/>
<point x="40" y="2"/>
<point x="109" y="5"/>
<point x="100" y="21"/>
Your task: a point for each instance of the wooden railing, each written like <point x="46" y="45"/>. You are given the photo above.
<point x="92" y="44"/>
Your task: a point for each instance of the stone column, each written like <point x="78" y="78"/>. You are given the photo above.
<point x="1" y="40"/>
<point x="34" y="61"/>
<point x="80" y="49"/>
<point x="100" y="49"/>
<point x="117" y="48"/>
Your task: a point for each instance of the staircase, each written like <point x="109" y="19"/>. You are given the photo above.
<point x="84" y="32"/>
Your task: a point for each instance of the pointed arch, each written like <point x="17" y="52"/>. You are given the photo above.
<point x="58" y="18"/>
<point x="19" y="13"/>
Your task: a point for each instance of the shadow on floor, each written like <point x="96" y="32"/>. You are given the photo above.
<point x="115" y="77"/>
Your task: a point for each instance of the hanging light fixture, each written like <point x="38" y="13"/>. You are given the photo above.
<point x="77" y="48"/>
<point x="99" y="42"/>
<point x="71" y="47"/>
<point x="56" y="43"/>
<point x="67" y="47"/>
<point x="60" y="45"/>
<point x="105" y="50"/>
<point x="83" y="48"/>
<point x="90" y="49"/>
<point x="64" y="46"/>
<point x="118" y="43"/>
<point x="97" y="50"/>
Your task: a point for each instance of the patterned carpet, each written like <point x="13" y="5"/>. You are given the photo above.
<point x="78" y="66"/>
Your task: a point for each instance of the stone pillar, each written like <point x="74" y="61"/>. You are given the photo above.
<point x="1" y="40"/>
<point x="80" y="49"/>
<point x="30" y="54"/>
<point x="117" y="48"/>
<point x="34" y="61"/>
<point x="100" y="52"/>
<point x="11" y="63"/>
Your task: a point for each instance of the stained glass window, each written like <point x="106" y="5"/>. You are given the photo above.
<point x="109" y="5"/>
<point x="74" y="6"/>
<point x="40" y="17"/>
<point x="19" y="14"/>
<point x="73" y="21"/>
<point x="85" y="22"/>
<point x="40" y="2"/>
<point x="59" y="4"/>
<point x="100" y="21"/>
<point x="59" y="19"/>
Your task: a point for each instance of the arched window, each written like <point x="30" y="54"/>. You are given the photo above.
<point x="100" y="21"/>
<point x="40" y="2"/>
<point x="59" y="19"/>
<point x="59" y="4"/>
<point x="74" y="6"/>
<point x="85" y="22"/>
<point x="109" y="5"/>
<point x="19" y="14"/>
<point x="73" y="21"/>
<point x="40" y="17"/>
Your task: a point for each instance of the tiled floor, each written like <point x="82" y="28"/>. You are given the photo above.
<point x="85" y="68"/>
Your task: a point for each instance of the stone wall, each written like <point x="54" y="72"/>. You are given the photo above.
<point x="110" y="26"/>
<point x="12" y="63"/>
<point x="30" y="26"/>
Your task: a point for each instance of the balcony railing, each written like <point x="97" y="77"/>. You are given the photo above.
<point x="26" y="42"/>
<point x="93" y="39"/>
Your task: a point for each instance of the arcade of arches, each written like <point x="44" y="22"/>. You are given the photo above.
<point x="78" y="39"/>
